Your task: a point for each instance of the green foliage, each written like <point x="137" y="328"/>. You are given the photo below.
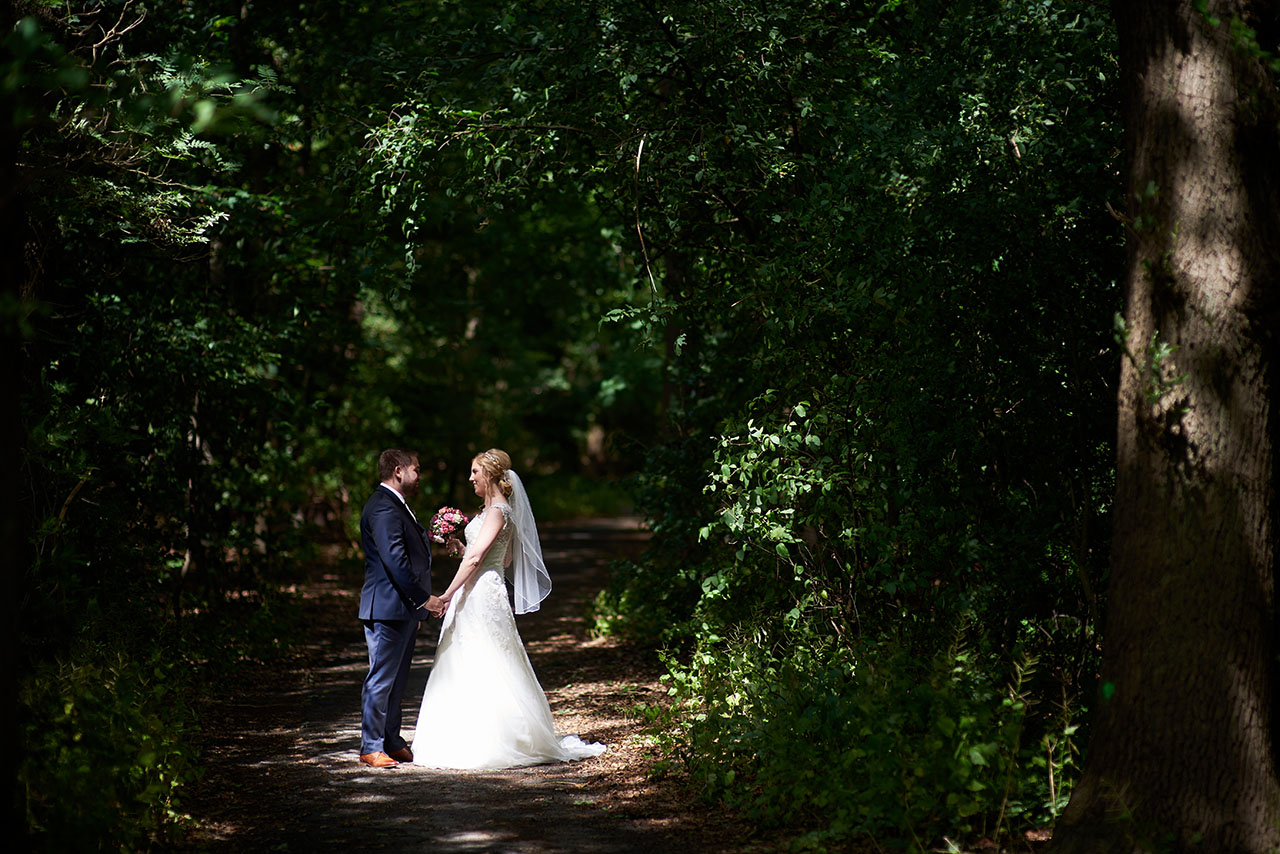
<point x="890" y="315"/>
<point x="222" y="327"/>
<point x="107" y="752"/>
<point x="854" y="256"/>
<point x="871" y="740"/>
<point x="167" y="414"/>
<point x="562" y="497"/>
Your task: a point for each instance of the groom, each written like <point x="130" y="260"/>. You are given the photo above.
<point x="395" y="598"/>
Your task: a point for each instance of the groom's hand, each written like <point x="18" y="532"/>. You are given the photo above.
<point x="435" y="606"/>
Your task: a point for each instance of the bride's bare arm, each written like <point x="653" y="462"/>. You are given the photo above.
<point x="489" y="531"/>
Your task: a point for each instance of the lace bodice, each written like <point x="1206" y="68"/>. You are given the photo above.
<point x="494" y="558"/>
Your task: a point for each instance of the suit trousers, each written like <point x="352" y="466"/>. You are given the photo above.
<point x="390" y="653"/>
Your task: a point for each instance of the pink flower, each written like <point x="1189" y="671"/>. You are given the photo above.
<point x="446" y="521"/>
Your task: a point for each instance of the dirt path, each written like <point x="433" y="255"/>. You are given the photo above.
<point x="281" y="748"/>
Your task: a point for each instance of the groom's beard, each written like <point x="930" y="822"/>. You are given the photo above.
<point x="410" y="490"/>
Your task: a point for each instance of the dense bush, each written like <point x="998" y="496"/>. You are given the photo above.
<point x="871" y="741"/>
<point x="904" y="374"/>
<point x="107" y="751"/>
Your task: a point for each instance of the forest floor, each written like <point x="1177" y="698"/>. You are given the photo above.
<point x="281" y="745"/>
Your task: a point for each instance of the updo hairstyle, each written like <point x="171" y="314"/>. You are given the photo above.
<point x="496" y="463"/>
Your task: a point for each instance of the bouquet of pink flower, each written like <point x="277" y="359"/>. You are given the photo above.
<point x="446" y="523"/>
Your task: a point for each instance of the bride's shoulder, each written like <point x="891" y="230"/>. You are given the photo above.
<point x="503" y="508"/>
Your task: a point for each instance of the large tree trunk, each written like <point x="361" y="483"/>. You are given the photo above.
<point x="1183" y="755"/>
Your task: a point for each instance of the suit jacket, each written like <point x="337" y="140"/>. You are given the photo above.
<point x="397" y="560"/>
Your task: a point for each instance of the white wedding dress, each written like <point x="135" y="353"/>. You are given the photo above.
<point x="483" y="707"/>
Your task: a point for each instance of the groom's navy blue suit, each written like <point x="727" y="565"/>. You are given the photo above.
<point x="397" y="583"/>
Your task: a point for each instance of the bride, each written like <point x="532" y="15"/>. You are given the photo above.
<point x="483" y="707"/>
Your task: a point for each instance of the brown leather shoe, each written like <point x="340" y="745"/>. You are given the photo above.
<point x="404" y="754"/>
<point x="378" y="760"/>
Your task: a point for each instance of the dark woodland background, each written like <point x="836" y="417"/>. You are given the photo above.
<point x="832" y="293"/>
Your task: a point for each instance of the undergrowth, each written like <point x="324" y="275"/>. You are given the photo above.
<point x="873" y="741"/>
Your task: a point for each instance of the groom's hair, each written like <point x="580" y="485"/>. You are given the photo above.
<point x="390" y="458"/>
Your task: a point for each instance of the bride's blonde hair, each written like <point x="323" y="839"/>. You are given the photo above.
<point x="496" y="463"/>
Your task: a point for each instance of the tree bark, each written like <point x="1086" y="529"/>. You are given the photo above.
<point x="1183" y="753"/>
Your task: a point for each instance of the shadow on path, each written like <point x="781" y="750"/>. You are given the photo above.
<point x="282" y="750"/>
